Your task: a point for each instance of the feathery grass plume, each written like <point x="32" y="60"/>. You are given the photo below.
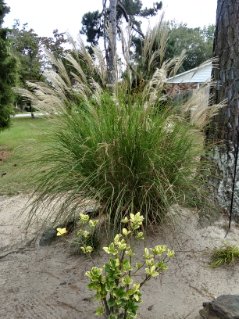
<point x="79" y="48"/>
<point x="154" y="47"/>
<point x="101" y="65"/>
<point x="151" y="56"/>
<point x="153" y="91"/>
<point x="126" y="41"/>
<point x="149" y="72"/>
<point x="198" y="107"/>
<point x="71" y="81"/>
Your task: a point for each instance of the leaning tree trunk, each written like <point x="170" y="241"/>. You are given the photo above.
<point x="112" y="34"/>
<point x="225" y="128"/>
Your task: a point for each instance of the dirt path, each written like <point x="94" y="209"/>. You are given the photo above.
<point x="48" y="283"/>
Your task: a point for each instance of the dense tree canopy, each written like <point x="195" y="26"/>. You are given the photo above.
<point x="197" y="42"/>
<point x="55" y="44"/>
<point x="28" y="48"/>
<point x="25" y="44"/>
<point x="7" y="72"/>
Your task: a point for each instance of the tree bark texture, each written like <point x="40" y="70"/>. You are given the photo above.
<point x="224" y="129"/>
<point x="226" y="73"/>
<point x="112" y="34"/>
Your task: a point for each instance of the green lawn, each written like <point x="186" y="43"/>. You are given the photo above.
<point x="18" y="146"/>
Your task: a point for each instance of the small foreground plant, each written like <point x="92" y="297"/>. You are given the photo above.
<point x="61" y="231"/>
<point x="226" y="254"/>
<point x="85" y="239"/>
<point x="113" y="283"/>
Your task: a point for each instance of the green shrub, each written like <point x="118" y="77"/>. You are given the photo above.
<point x="126" y="157"/>
<point x="114" y="284"/>
<point x="226" y="254"/>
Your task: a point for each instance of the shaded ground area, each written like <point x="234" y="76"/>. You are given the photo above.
<point x="47" y="282"/>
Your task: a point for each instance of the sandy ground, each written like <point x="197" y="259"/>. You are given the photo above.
<point x="48" y="282"/>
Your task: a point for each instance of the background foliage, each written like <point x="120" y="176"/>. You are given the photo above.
<point x="8" y="72"/>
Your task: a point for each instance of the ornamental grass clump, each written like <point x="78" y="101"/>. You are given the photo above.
<point x="122" y="146"/>
<point x="124" y="157"/>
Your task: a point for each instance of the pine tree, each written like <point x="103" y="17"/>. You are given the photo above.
<point x="224" y="130"/>
<point x="7" y="72"/>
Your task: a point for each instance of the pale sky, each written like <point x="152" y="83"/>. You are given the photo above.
<point x="46" y="15"/>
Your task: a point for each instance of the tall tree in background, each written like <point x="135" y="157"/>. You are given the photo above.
<point x="131" y="10"/>
<point x="7" y="72"/>
<point x="107" y="24"/>
<point x="28" y="48"/>
<point x="25" y="45"/>
<point x="225" y="128"/>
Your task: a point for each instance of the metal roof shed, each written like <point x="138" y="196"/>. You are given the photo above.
<point x="201" y="74"/>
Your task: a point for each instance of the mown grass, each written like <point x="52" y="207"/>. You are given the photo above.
<point x="18" y="145"/>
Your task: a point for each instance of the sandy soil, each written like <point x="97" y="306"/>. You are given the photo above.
<point x="47" y="282"/>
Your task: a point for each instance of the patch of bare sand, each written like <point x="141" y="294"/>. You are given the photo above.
<point x="4" y="155"/>
<point x="46" y="282"/>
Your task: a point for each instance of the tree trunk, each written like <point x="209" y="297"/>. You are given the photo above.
<point x="112" y="34"/>
<point x="225" y="129"/>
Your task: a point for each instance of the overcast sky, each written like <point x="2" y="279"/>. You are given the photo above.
<point x="46" y="15"/>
